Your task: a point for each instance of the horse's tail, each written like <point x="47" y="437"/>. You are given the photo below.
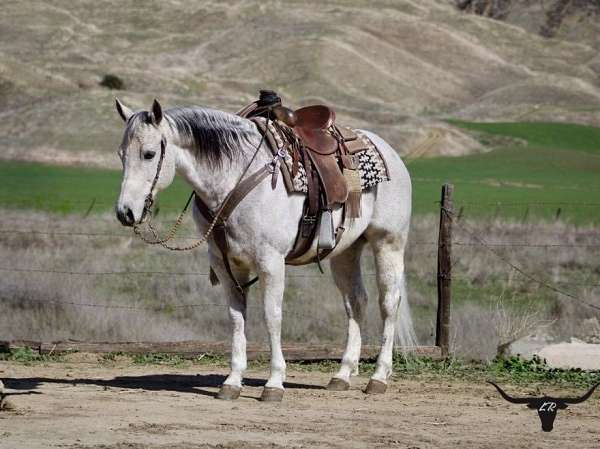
<point x="405" y="332"/>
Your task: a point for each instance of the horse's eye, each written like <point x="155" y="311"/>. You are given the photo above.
<point x="149" y="155"/>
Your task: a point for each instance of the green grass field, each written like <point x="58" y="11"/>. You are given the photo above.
<point x="71" y="189"/>
<point x="558" y="167"/>
<point x="559" y="136"/>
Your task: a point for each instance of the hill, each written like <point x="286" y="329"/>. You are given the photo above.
<point x="573" y="20"/>
<point x="396" y="67"/>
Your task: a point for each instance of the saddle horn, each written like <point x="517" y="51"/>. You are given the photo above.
<point x="286" y="115"/>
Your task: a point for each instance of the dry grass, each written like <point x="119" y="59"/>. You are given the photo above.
<point x="392" y="67"/>
<point x="491" y="303"/>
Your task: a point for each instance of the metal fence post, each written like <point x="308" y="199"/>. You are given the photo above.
<point x="442" y="336"/>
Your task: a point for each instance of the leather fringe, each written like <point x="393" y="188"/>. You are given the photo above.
<point x="214" y="280"/>
<point x="353" y="208"/>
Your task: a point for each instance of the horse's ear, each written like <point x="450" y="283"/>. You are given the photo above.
<point x="123" y="110"/>
<point x="157" y="114"/>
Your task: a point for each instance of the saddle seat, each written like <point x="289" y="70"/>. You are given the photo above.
<point x="317" y="116"/>
<point x="312" y="125"/>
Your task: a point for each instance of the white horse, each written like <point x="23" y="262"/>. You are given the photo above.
<point x="211" y="149"/>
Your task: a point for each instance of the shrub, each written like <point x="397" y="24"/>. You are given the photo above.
<point x="112" y="82"/>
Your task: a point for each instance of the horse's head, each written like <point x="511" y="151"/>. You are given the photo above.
<point x="148" y="165"/>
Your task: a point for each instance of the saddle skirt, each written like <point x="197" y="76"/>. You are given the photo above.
<point x="371" y="165"/>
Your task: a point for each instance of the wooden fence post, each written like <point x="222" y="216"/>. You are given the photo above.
<point x="442" y="336"/>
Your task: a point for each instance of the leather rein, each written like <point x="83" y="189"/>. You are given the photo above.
<point x="218" y="219"/>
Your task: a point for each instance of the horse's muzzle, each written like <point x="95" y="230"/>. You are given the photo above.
<point x="125" y="216"/>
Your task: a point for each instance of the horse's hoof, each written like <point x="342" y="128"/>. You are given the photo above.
<point x="229" y="392"/>
<point x="337" y="384"/>
<point x="375" y="387"/>
<point x="271" y="394"/>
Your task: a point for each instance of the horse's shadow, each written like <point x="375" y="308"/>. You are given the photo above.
<point x="181" y="383"/>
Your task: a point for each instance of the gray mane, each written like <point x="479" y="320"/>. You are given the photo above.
<point x="213" y="135"/>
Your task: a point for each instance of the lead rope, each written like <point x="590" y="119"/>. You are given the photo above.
<point x="171" y="234"/>
<point x="172" y="231"/>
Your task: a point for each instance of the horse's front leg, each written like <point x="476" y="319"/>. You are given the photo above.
<point x="272" y="282"/>
<point x="232" y="386"/>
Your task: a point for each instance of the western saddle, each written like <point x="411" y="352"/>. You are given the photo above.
<point x="325" y="150"/>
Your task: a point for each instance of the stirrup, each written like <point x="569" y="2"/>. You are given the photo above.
<point x="326" y="232"/>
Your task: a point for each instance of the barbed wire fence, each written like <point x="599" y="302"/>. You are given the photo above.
<point x="533" y="278"/>
<point x="455" y="215"/>
<point x="452" y="219"/>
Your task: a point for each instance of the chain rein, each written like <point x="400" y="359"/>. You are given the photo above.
<point x="149" y="202"/>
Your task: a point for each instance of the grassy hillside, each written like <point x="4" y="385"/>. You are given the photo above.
<point x="390" y="66"/>
<point x="549" y="165"/>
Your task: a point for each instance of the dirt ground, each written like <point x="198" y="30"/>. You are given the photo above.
<point x="88" y="405"/>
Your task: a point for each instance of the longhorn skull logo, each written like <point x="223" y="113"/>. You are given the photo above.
<point x="546" y="406"/>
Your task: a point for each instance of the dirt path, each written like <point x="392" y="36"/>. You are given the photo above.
<point x="84" y="405"/>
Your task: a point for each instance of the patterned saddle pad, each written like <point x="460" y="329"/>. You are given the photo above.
<point x="371" y="165"/>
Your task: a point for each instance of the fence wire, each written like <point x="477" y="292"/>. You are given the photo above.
<point x="411" y="243"/>
<point x="532" y="278"/>
<point x="160" y="307"/>
<point x="526" y="204"/>
<point x="149" y="273"/>
<point x="475" y="241"/>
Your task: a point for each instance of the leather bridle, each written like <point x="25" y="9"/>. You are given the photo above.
<point x="149" y="200"/>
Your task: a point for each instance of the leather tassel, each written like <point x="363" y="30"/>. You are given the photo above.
<point x="295" y="161"/>
<point x="353" y="204"/>
<point x="349" y="162"/>
<point x="214" y="280"/>
<point x="352" y="178"/>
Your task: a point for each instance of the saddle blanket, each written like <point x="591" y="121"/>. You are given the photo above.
<point x="371" y="165"/>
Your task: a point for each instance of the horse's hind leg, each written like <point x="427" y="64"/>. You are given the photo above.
<point x="388" y="250"/>
<point x="347" y="276"/>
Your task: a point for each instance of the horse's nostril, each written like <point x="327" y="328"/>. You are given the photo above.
<point x="129" y="215"/>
